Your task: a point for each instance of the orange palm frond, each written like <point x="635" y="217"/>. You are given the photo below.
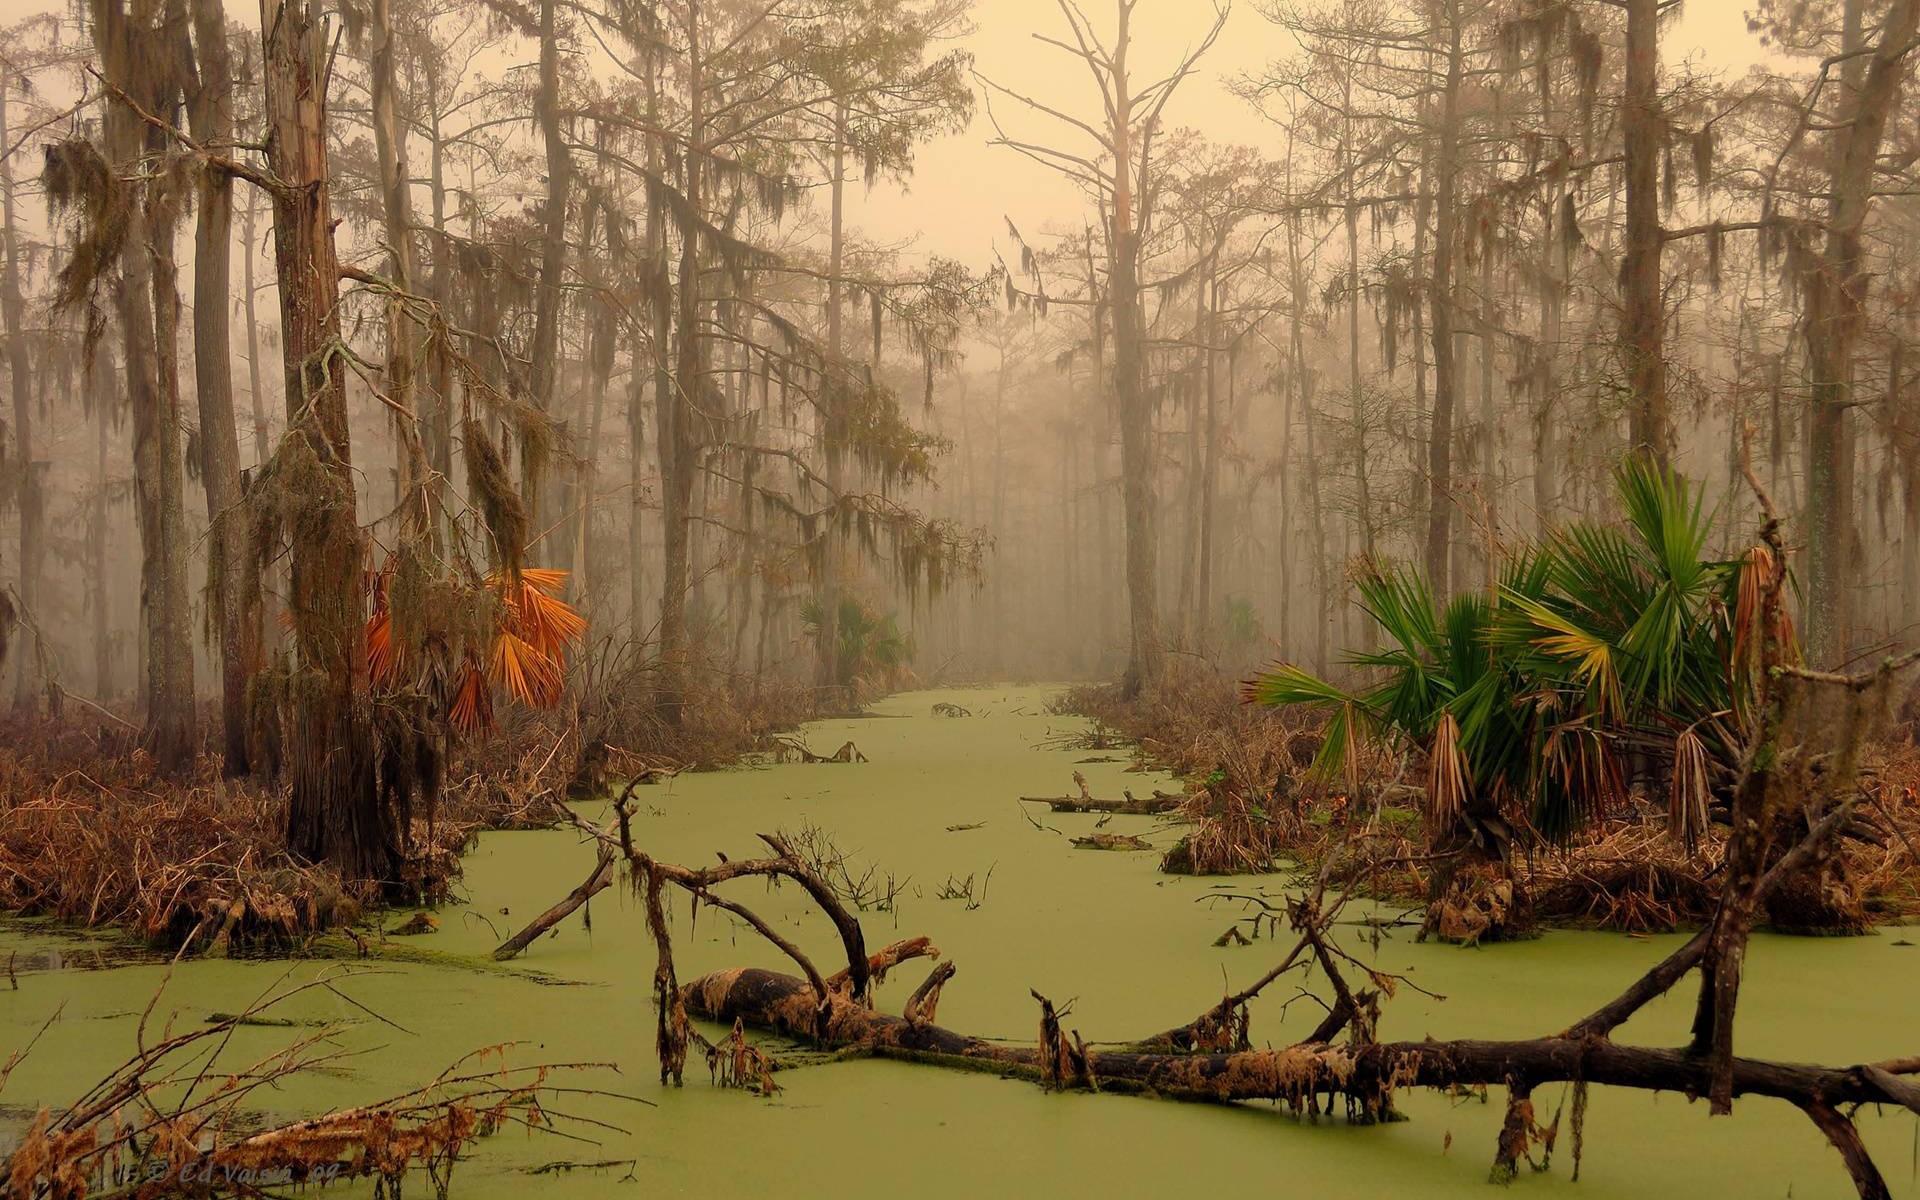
<point x="472" y="709"/>
<point x="532" y="678"/>
<point x="551" y="624"/>
<point x="544" y="579"/>
<point x="382" y="655"/>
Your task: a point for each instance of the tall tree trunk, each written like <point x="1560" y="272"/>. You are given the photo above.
<point x="553" y="251"/>
<point x="1183" y="620"/>
<point x="249" y="312"/>
<point x="833" y="439"/>
<point x="1836" y="292"/>
<point x="335" y="813"/>
<point x="1209" y="482"/>
<point x="1642" y="311"/>
<point x="101" y="382"/>
<point x="1440" y="298"/>
<point x="440" y="380"/>
<point x="26" y="479"/>
<point x="420" y="491"/>
<point x="230" y="561"/>
<point x="148" y="306"/>
<point x="678" y="447"/>
<point x="1130" y="385"/>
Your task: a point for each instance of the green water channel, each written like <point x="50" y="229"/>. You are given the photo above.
<point x="1133" y="948"/>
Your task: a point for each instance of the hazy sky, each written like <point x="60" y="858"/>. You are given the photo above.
<point x="964" y="188"/>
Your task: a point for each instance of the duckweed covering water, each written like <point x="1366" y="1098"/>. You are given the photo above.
<point x="1134" y="948"/>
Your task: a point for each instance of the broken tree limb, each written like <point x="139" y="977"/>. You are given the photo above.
<point x="597" y="882"/>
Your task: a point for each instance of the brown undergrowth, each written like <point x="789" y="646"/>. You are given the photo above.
<point x="1253" y="803"/>
<point x="93" y="833"/>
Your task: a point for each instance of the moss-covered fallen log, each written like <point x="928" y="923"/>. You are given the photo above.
<point x="1365" y="1074"/>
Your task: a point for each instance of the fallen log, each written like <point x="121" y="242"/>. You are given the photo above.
<point x="1111" y="841"/>
<point x="1365" y="1075"/>
<point x="1159" y="802"/>
<point x="1132" y="806"/>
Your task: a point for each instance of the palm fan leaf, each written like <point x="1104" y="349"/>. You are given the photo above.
<point x="549" y="623"/>
<point x="1287" y="684"/>
<point x="472" y="710"/>
<point x="528" y="676"/>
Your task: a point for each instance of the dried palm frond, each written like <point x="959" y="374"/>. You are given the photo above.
<point x="1446" y="774"/>
<point x="528" y="676"/>
<point x="382" y="657"/>
<point x="472" y="709"/>
<point x="1688" y="791"/>
<point x="542" y="619"/>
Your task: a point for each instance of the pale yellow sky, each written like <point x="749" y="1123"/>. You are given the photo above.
<point x="956" y="203"/>
<point x="964" y="187"/>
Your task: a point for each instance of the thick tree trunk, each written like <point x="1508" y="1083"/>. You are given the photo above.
<point x="102" y="384"/>
<point x="335" y="813"/>
<point x="1836" y="292"/>
<point x="230" y="562"/>
<point x="1642" y="311"/>
<point x="148" y="307"/>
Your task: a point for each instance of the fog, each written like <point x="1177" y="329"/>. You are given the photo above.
<point x="932" y="420"/>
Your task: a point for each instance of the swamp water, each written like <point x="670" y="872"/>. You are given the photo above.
<point x="1132" y="948"/>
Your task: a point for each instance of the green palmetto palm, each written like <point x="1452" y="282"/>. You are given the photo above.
<point x="1599" y="641"/>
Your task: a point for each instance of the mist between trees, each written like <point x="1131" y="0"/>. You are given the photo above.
<point x="473" y="351"/>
